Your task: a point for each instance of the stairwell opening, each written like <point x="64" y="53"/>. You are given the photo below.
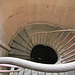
<point x="43" y="54"/>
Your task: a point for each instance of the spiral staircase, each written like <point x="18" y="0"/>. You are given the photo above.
<point x="43" y="45"/>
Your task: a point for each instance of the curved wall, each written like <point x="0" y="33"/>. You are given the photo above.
<point x="16" y="13"/>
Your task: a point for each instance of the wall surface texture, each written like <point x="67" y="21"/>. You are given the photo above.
<point x="16" y="13"/>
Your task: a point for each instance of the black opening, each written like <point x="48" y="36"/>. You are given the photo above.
<point x="43" y="54"/>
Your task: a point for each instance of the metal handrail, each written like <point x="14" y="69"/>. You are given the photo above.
<point x="72" y="30"/>
<point x="8" y="71"/>
<point x="8" y="65"/>
<point x="11" y="66"/>
<point x="38" y="66"/>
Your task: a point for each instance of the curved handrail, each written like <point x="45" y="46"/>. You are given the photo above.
<point x="49" y="23"/>
<point x="38" y="66"/>
<point x="72" y="30"/>
<point x="8" y="65"/>
<point x="7" y="71"/>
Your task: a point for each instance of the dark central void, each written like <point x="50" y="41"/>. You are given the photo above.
<point x="43" y="54"/>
